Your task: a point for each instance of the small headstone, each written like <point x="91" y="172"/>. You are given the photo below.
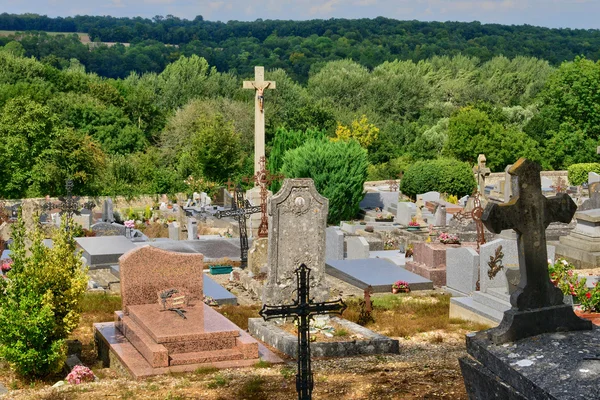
<point x="462" y="270"/>
<point x="108" y="211"/>
<point x="297" y="222"/>
<point x="85" y="220"/>
<point x="593" y="178"/>
<point x="429" y="196"/>
<point x="440" y="216"/>
<point x="357" y="247"/>
<point x="174" y="230"/>
<point x="403" y="213"/>
<point x="192" y="228"/>
<point x="509" y="183"/>
<point x="334" y="247"/>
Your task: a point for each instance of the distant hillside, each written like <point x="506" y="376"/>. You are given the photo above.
<point x="298" y="46"/>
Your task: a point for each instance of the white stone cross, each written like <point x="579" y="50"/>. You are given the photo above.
<point x="259" y="85"/>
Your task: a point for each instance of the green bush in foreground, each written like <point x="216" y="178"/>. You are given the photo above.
<point x="444" y="175"/>
<point x="40" y="300"/>
<point x="339" y="170"/>
<point x="578" y="173"/>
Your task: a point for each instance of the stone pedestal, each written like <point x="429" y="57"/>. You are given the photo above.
<point x="257" y="256"/>
<point x="429" y="260"/>
<point x="582" y="246"/>
<point x="547" y="366"/>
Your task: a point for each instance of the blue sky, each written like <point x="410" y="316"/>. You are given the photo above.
<point x="551" y="13"/>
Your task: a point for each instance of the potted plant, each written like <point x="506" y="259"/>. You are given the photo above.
<point x="400" y="287"/>
<point x="413" y="225"/>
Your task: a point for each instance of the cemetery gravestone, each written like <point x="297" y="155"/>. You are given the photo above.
<point x="192" y="228"/>
<point x="404" y="213"/>
<point x="297" y="222"/>
<point x="462" y="270"/>
<point x="509" y="183"/>
<point x="440" y="216"/>
<point x="593" y="178"/>
<point x="108" y="211"/>
<point x="357" y="248"/>
<point x="334" y="247"/>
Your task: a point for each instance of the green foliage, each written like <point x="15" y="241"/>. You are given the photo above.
<point x="284" y="141"/>
<point x="443" y="175"/>
<point x="578" y="173"/>
<point x="339" y="170"/>
<point x="40" y="305"/>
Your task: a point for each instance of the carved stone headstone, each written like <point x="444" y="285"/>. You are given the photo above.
<point x="297" y="222"/>
<point x="537" y="306"/>
<point x="108" y="211"/>
<point x="440" y="216"/>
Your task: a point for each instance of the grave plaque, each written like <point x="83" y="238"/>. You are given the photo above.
<point x="297" y="222"/>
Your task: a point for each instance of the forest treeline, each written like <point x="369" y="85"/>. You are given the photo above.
<point x="299" y="47"/>
<point x="191" y="126"/>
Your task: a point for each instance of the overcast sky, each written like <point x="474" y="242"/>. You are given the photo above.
<point x="550" y="13"/>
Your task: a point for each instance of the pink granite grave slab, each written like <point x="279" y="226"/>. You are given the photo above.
<point x="147" y="270"/>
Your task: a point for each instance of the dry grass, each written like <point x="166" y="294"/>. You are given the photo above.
<point x="404" y="315"/>
<point x="239" y="314"/>
<point x="156" y="230"/>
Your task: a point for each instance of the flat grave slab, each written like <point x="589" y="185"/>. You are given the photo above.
<point x="213" y="249"/>
<point x="104" y="250"/>
<point x="377" y="272"/>
<point x="394" y="256"/>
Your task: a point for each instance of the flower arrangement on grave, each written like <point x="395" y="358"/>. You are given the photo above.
<point x="562" y="275"/>
<point x="447" y="238"/>
<point x="80" y="374"/>
<point x="6" y="265"/>
<point x="129" y="224"/>
<point x="390" y="244"/>
<point x="386" y="216"/>
<point x="413" y="223"/>
<point x="409" y="251"/>
<point x="400" y="286"/>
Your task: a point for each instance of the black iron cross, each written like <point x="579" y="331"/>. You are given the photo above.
<point x="529" y="213"/>
<point x="240" y="210"/>
<point x="68" y="204"/>
<point x="303" y="308"/>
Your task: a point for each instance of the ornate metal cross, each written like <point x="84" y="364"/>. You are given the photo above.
<point x="68" y="204"/>
<point x="240" y="210"/>
<point x="264" y="178"/>
<point x="303" y="308"/>
<point x="537" y="305"/>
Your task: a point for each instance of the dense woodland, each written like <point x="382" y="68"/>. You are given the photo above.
<point x="151" y="131"/>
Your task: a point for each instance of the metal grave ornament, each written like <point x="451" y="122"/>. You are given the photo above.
<point x="303" y="308"/>
<point x="68" y="204"/>
<point x="264" y="178"/>
<point x="173" y="300"/>
<point x="240" y="210"/>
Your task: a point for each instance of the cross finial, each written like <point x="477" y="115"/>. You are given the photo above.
<point x="529" y="213"/>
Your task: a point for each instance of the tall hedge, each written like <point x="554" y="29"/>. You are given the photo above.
<point x="444" y="175"/>
<point x="339" y="170"/>
<point x="578" y="173"/>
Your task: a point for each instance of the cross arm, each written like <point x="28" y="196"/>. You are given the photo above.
<point x="329" y="307"/>
<point x="559" y="208"/>
<point x="498" y="217"/>
<point x="256" y="85"/>
<point x="272" y="312"/>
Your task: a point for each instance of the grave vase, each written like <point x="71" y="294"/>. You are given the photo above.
<point x="402" y="290"/>
<point x="590" y="316"/>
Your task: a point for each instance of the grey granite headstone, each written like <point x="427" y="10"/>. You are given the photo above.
<point x="462" y="270"/>
<point x="108" y="229"/>
<point x="593" y="178"/>
<point x="192" y="228"/>
<point x="334" y="247"/>
<point x="108" y="211"/>
<point x="85" y="220"/>
<point x="403" y="213"/>
<point x="173" y="230"/>
<point x="297" y="222"/>
<point x="357" y="248"/>
<point x="440" y="216"/>
<point x="430" y="196"/>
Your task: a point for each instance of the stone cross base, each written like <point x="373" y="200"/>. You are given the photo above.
<point x="522" y="324"/>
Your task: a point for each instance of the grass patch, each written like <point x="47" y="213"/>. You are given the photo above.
<point x="218" y="381"/>
<point x="239" y="314"/>
<point x="252" y="389"/>
<point x="287" y="372"/>
<point x="206" y="370"/>
<point x="340" y="333"/>
<point x="262" y="364"/>
<point x="406" y="314"/>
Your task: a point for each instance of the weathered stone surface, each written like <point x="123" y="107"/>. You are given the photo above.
<point x="548" y="366"/>
<point x="529" y="213"/>
<point x="297" y="222"/>
<point x="334" y="248"/>
<point x="257" y="256"/>
<point x="462" y="270"/>
<point x="357" y="248"/>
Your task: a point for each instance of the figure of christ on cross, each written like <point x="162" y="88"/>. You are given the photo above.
<point x="303" y="308"/>
<point x="259" y="85"/>
<point x="537" y="305"/>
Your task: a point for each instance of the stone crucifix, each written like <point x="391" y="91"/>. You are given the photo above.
<point x="481" y="171"/>
<point x="537" y="306"/>
<point x="259" y="85"/>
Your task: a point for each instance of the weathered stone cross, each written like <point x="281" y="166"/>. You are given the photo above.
<point x="481" y="171"/>
<point x="537" y="305"/>
<point x="259" y="85"/>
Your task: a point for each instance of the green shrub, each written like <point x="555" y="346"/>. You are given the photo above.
<point x="444" y="175"/>
<point x="339" y="170"/>
<point x="40" y="305"/>
<point x="578" y="173"/>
